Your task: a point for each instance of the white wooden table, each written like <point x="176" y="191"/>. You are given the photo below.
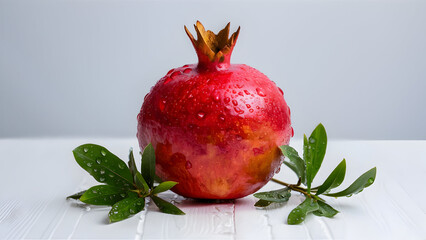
<point x="37" y="174"/>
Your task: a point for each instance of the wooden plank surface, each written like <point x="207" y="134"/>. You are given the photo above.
<point x="37" y="174"/>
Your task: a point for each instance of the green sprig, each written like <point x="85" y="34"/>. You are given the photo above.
<point x="306" y="168"/>
<point x="126" y="188"/>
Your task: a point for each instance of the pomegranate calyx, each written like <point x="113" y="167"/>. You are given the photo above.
<point x="213" y="50"/>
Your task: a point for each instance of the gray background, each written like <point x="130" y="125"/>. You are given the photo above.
<point x="82" y="68"/>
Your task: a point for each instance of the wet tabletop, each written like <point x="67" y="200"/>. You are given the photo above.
<point x="37" y="174"/>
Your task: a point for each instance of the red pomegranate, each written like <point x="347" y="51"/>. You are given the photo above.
<point x="215" y="126"/>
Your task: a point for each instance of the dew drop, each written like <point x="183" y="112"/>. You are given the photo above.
<point x="122" y="195"/>
<point x="188" y="70"/>
<point x="188" y="165"/>
<point x="103" y="153"/>
<point x="139" y="203"/>
<point x="110" y="175"/>
<point x="101" y="179"/>
<point x="257" y="151"/>
<point x="168" y="79"/>
<point x="238" y="110"/>
<point x="260" y="92"/>
<point x="281" y="91"/>
<point x="234" y="102"/>
<point x="278" y="170"/>
<point x="221" y="117"/>
<point x="102" y="171"/>
<point x="94" y="191"/>
<point x="162" y="104"/>
<point x="226" y="100"/>
<point x="311" y="140"/>
<point x="238" y="137"/>
<point x="89" y="164"/>
<point x="88" y="208"/>
<point x="201" y="115"/>
<point x="216" y="97"/>
<point x="98" y="161"/>
<point x="121" y="166"/>
<point x="370" y="181"/>
<point x="85" y="150"/>
<point x="175" y="74"/>
<point x="95" y="170"/>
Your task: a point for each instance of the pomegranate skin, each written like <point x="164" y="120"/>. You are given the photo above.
<point x="215" y="132"/>
<point x="215" y="126"/>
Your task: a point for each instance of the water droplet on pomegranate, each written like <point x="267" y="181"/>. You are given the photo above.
<point x="190" y="96"/>
<point x="241" y="94"/>
<point x="257" y="107"/>
<point x="146" y="96"/>
<point x="238" y="137"/>
<point x="246" y="92"/>
<point x="162" y="104"/>
<point x="171" y="70"/>
<point x="201" y="115"/>
<point x="260" y="92"/>
<point x="187" y="70"/>
<point x="289" y="112"/>
<point x="216" y="96"/>
<point x="292" y="132"/>
<point x="186" y="65"/>
<point x="278" y="170"/>
<point x="281" y="91"/>
<point x="234" y="102"/>
<point x="221" y="117"/>
<point x="168" y="79"/>
<point x="175" y="74"/>
<point x="238" y="110"/>
<point x="248" y="105"/>
<point x="226" y="100"/>
<point x="239" y="86"/>
<point x="188" y="165"/>
<point x="257" y="151"/>
<point x="251" y="110"/>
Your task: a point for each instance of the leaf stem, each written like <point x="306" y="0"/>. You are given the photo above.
<point x="295" y="187"/>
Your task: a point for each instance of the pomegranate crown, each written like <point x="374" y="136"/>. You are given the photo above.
<point x="213" y="48"/>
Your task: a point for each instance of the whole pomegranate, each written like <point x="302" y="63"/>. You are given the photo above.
<point x="215" y="126"/>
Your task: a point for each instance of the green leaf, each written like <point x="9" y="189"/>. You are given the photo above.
<point x="157" y="179"/>
<point x="103" y="195"/>
<point x="325" y="210"/>
<point x="104" y="166"/>
<point x="295" y="162"/>
<point x="280" y="195"/>
<point x="132" y="165"/>
<point x="362" y="182"/>
<point x="164" y="186"/>
<point x="141" y="183"/>
<point x="126" y="208"/>
<point x="77" y="196"/>
<point x="166" y="207"/>
<point x="148" y="165"/>
<point x="262" y="203"/>
<point x="298" y="214"/>
<point x="314" y="151"/>
<point x="335" y="179"/>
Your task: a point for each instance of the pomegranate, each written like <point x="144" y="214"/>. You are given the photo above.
<point x="215" y="126"/>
